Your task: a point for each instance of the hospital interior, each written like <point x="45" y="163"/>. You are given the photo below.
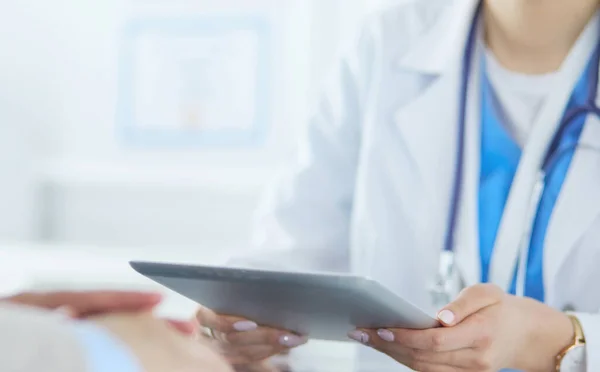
<point x="105" y="154"/>
<point x="149" y="130"/>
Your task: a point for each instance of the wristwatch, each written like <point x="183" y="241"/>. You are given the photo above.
<point x="572" y="357"/>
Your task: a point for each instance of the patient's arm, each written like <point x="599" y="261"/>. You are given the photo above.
<point x="32" y="340"/>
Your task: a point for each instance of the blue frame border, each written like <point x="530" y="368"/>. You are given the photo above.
<point x="133" y="135"/>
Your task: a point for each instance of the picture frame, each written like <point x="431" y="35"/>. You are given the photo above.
<point x="195" y="82"/>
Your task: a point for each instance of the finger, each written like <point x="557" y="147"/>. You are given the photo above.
<point x="470" y="301"/>
<point x="224" y="323"/>
<point x="462" y="358"/>
<point x="262" y="366"/>
<point x="187" y="328"/>
<point x="109" y="301"/>
<point x="92" y="302"/>
<point x="67" y="312"/>
<point x="466" y="359"/>
<point x="240" y="331"/>
<point x="435" y="340"/>
<point x="250" y="354"/>
<point x="428" y="367"/>
<point x="266" y="336"/>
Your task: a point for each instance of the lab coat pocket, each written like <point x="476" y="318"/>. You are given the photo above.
<point x="576" y="284"/>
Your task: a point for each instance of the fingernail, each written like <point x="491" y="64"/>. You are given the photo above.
<point x="386" y="335"/>
<point x="66" y="311"/>
<point x="446" y="316"/>
<point x="245" y="326"/>
<point x="292" y="340"/>
<point x="155" y="296"/>
<point x="359" y="336"/>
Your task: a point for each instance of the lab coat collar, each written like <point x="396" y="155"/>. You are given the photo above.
<point x="428" y="121"/>
<point x="422" y="128"/>
<point x="576" y="207"/>
<point x="578" y="204"/>
<point x="435" y="51"/>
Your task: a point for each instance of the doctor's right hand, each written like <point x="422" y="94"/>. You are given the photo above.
<point x="243" y="342"/>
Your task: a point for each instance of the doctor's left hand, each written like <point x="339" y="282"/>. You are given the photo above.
<point x="484" y="329"/>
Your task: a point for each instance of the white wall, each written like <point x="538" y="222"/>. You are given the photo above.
<point x="17" y="184"/>
<point x="30" y="110"/>
<point x="101" y="192"/>
<point x="65" y="178"/>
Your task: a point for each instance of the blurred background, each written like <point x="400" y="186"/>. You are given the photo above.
<point x="155" y="123"/>
<point x="148" y="128"/>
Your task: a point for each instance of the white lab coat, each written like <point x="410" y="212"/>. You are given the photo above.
<point x="370" y="189"/>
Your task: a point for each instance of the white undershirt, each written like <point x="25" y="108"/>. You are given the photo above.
<point x="521" y="97"/>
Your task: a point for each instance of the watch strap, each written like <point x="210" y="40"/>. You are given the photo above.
<point x="578" y="340"/>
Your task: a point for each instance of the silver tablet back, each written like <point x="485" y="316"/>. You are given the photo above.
<point x="322" y="306"/>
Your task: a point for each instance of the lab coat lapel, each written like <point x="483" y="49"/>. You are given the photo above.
<point x="567" y="222"/>
<point x="428" y="126"/>
<point x="578" y="204"/>
<point x="467" y="238"/>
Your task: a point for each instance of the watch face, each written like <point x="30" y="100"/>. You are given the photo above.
<point x="575" y="360"/>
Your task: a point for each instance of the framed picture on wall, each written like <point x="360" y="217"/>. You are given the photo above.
<point x="201" y="81"/>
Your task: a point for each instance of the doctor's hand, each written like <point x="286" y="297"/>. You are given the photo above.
<point x="243" y="342"/>
<point x="483" y="330"/>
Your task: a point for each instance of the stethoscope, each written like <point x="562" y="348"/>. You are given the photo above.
<point x="447" y="282"/>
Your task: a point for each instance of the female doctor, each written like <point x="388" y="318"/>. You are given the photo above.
<point x="459" y="144"/>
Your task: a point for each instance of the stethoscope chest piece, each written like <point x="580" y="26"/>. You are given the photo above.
<point x="448" y="283"/>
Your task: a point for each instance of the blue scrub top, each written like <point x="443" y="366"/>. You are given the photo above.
<point x="500" y="156"/>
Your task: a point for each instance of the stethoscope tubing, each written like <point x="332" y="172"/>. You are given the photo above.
<point x="552" y="156"/>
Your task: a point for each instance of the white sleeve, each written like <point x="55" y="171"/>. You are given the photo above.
<point x="303" y="220"/>
<point x="32" y="340"/>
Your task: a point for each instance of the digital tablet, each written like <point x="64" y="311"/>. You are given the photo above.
<point x="320" y="306"/>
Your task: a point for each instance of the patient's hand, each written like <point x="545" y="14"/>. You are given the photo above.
<point x="160" y="348"/>
<point x="89" y="303"/>
<point x="86" y="303"/>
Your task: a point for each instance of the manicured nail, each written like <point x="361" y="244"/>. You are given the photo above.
<point x="292" y="340"/>
<point x="66" y="311"/>
<point x="245" y="326"/>
<point x="359" y="336"/>
<point x="386" y="335"/>
<point x="446" y="316"/>
<point x="155" y="296"/>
